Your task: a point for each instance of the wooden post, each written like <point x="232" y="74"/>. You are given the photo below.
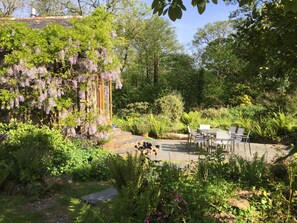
<point x="110" y="101"/>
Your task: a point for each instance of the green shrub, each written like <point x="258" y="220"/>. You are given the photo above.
<point x="213" y="113"/>
<point x="90" y="163"/>
<point x="135" y="109"/>
<point x="158" y="125"/>
<point x="192" y="119"/>
<point x="135" y="125"/>
<point x="171" y="106"/>
<point x="31" y="154"/>
<point x="126" y="171"/>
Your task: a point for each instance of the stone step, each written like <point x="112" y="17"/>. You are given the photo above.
<point x="116" y="132"/>
<point x="122" y="141"/>
<point x="101" y="196"/>
<point x="122" y="136"/>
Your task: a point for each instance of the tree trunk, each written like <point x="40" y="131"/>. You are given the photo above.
<point x="156" y="68"/>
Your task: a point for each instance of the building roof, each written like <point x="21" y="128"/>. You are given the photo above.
<point x="41" y="22"/>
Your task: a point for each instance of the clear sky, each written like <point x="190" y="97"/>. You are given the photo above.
<point x="187" y="26"/>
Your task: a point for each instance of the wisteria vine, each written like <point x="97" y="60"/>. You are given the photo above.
<point x="42" y="69"/>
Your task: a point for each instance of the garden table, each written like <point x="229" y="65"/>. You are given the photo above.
<point x="211" y="136"/>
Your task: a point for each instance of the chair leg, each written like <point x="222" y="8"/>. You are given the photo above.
<point x="250" y="148"/>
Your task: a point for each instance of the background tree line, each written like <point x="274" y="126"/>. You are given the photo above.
<point x="249" y="59"/>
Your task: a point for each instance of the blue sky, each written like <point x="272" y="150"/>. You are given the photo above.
<point x="187" y="26"/>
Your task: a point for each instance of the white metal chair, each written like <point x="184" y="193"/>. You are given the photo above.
<point x="232" y="129"/>
<point x="223" y="138"/>
<point x="204" y="128"/>
<point x="196" y="138"/>
<point x="243" y="139"/>
<point x="191" y="135"/>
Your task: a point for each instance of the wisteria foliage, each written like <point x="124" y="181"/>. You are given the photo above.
<point x="45" y="68"/>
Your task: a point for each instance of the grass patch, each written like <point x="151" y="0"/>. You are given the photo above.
<point x="51" y="208"/>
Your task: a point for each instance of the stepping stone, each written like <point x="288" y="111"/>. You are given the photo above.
<point x="101" y="196"/>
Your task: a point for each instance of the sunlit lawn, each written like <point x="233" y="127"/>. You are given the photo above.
<point x="51" y="208"/>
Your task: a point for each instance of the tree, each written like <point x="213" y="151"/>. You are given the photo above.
<point x="57" y="7"/>
<point x="266" y="40"/>
<point x="214" y="51"/>
<point x="143" y="75"/>
<point x="156" y="39"/>
<point x="209" y="33"/>
<point x="183" y="76"/>
<point x="175" y="8"/>
<point x="79" y="7"/>
<point x="8" y="7"/>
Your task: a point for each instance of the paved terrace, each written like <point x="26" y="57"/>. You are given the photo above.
<point x="178" y="151"/>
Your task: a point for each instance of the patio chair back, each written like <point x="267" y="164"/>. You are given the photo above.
<point x="204" y="127"/>
<point x="232" y="129"/>
<point x="223" y="137"/>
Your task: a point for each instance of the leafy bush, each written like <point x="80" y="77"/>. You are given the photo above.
<point x="135" y="125"/>
<point x="135" y="109"/>
<point x="158" y="125"/>
<point x="192" y="119"/>
<point x="90" y="162"/>
<point x="170" y="106"/>
<point x="213" y="113"/>
<point x="33" y="154"/>
<point x="126" y="171"/>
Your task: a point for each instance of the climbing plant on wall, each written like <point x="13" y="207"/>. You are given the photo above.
<point x="51" y="69"/>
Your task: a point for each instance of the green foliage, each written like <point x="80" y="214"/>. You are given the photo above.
<point x="261" y="28"/>
<point x="182" y="75"/>
<point x="192" y="119"/>
<point x="30" y="154"/>
<point x="158" y="125"/>
<point x="156" y="198"/>
<point x="90" y="161"/>
<point x="126" y="171"/>
<point x="82" y="212"/>
<point x="170" y="105"/>
<point x="135" y="109"/>
<point x="135" y="125"/>
<point x="174" y="8"/>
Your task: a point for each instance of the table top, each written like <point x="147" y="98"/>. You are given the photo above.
<point x="212" y="131"/>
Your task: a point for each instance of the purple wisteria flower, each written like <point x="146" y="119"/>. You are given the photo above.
<point x="16" y="102"/>
<point x="61" y="55"/>
<point x="21" y="98"/>
<point x="11" y="103"/>
<point x="81" y="94"/>
<point x="74" y="84"/>
<point x="3" y="137"/>
<point x="3" y="80"/>
<point x="92" y="129"/>
<point x="73" y="59"/>
<point x="113" y="34"/>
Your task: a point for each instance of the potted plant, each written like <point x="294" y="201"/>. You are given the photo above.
<point x="142" y="127"/>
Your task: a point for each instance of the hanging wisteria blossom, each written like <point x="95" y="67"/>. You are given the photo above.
<point x="43" y="69"/>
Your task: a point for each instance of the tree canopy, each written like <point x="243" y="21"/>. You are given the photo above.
<point x="175" y="8"/>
